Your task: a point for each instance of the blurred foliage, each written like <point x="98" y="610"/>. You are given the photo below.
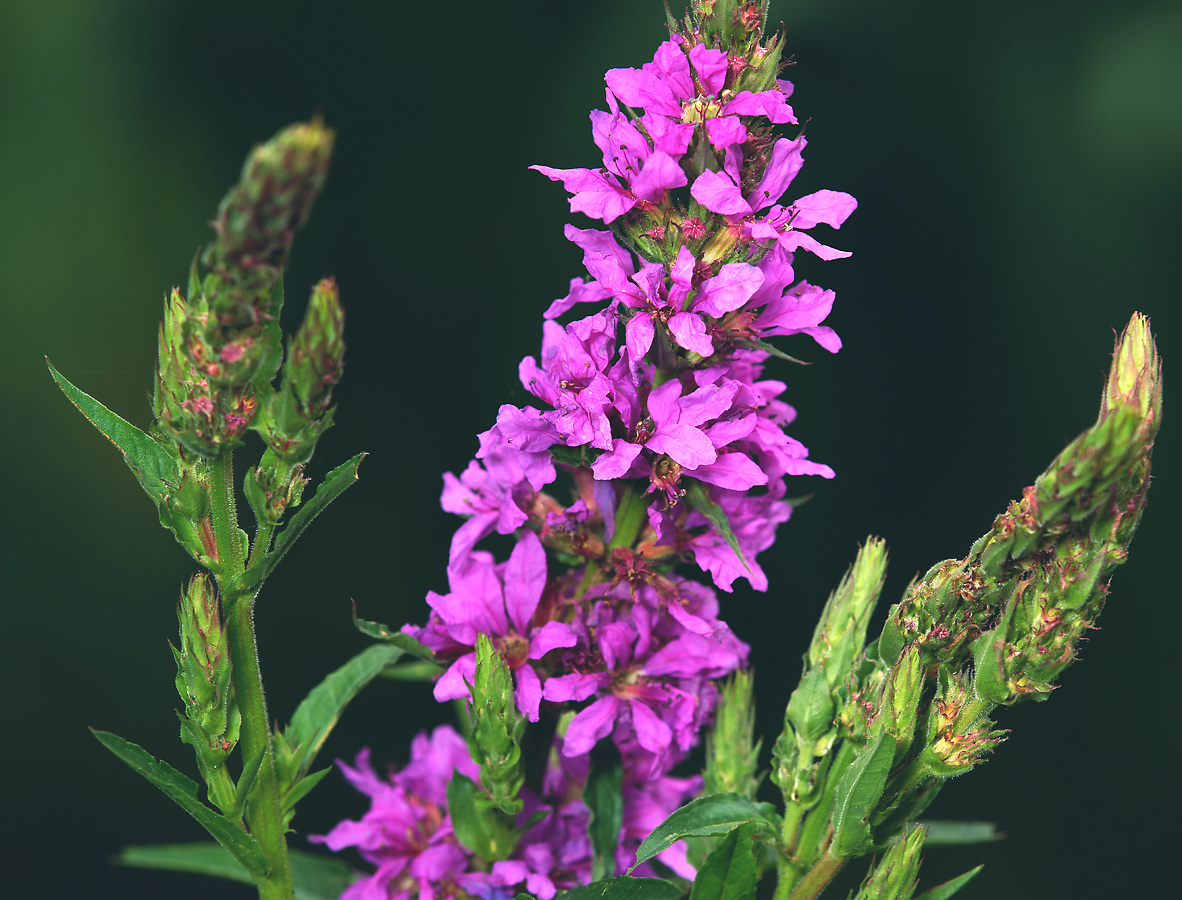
<point x="1016" y="165"/>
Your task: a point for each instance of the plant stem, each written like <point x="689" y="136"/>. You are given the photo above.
<point x="263" y="816"/>
<point x="818" y="878"/>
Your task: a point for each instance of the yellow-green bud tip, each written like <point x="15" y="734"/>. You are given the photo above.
<point x="1135" y="377"/>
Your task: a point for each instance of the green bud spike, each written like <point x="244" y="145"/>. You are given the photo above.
<point x="732" y="753"/>
<point x="899" y="707"/>
<point x="298" y="413"/>
<point x="895" y="876"/>
<point x="497" y="727"/>
<point x="958" y="731"/>
<point x="211" y="720"/>
<point x="841" y="632"/>
<point x="256" y="223"/>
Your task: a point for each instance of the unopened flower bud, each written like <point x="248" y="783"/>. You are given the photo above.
<point x="497" y="726"/>
<point x="959" y="731"/>
<point x="211" y="719"/>
<point x="895" y="876"/>
<point x="732" y="753"/>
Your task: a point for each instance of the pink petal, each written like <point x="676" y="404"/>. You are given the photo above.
<point x="733" y="471"/>
<point x="718" y="193"/>
<point x="525" y="579"/>
<point x="454" y="682"/>
<point x="660" y="173"/>
<point x="651" y="733"/>
<point x="784" y="165"/>
<point x="590" y="726"/>
<point x="616" y="461"/>
<point x="711" y="66"/>
<point x="562" y="688"/>
<point x="772" y="104"/>
<point x="528" y="694"/>
<point x="830" y="207"/>
<point x="551" y="636"/>
<point x="684" y="444"/>
<point x="728" y="290"/>
<point x="690" y="332"/>
<point x="794" y="240"/>
<point x="725" y="131"/>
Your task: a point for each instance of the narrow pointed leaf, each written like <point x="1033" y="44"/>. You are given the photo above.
<point x="184" y="792"/>
<point x="624" y="888"/>
<point x="249" y="772"/>
<point x="948" y="888"/>
<point x="315" y="717"/>
<point x="700" y="500"/>
<point x="412" y="670"/>
<point x="380" y="632"/>
<point x="729" y="871"/>
<point x="774" y="351"/>
<point x="604" y="798"/>
<point x="301" y="788"/>
<point x="714" y="814"/>
<point x="316" y="877"/>
<point x="335" y="483"/>
<point x="857" y="794"/>
<point x="946" y="832"/>
<point x="152" y="464"/>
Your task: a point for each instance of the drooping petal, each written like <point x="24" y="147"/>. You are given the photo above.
<point x="598" y="195"/>
<point x="711" y="66"/>
<point x="772" y="104"/>
<point x="795" y="240"/>
<point x="730" y="289"/>
<point x="525" y="579"/>
<point x="733" y="471"/>
<point x="725" y="131"/>
<point x="718" y="193"/>
<point x="652" y="734"/>
<point x="551" y="636"/>
<point x="830" y="207"/>
<point x="784" y="165"/>
<point x="689" y="331"/>
<point x="660" y="173"/>
<point x="528" y="694"/>
<point x="454" y="682"/>
<point x="590" y="726"/>
<point x="616" y="461"/>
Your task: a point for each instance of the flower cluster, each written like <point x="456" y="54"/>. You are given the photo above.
<point x="655" y="409"/>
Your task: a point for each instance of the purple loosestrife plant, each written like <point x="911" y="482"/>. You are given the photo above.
<point x="650" y="470"/>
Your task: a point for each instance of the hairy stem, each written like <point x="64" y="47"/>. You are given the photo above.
<point x="263" y="815"/>
<point x="817" y="878"/>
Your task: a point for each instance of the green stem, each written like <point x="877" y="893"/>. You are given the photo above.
<point x="224" y="516"/>
<point x="263" y="814"/>
<point x="630" y="514"/>
<point x="818" y="878"/>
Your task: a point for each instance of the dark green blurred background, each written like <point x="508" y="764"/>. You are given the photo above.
<point x="1017" y="166"/>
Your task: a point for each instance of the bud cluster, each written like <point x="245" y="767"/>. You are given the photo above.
<point x="220" y="345"/>
<point x="210" y="721"/>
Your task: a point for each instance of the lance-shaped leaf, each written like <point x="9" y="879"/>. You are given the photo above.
<point x="335" y="483"/>
<point x="400" y="639"/>
<point x="729" y="872"/>
<point x="319" y="712"/>
<point x="623" y="888"/>
<point x="154" y="467"/>
<point x="715" y="814"/>
<point x="184" y="792"/>
<point x="604" y="798"/>
<point x="695" y="493"/>
<point x="486" y="832"/>
<point x="316" y="877"/>
<point x="948" y="888"/>
<point x="952" y="833"/>
<point x="857" y="795"/>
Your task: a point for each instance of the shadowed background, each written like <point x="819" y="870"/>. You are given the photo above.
<point x="1016" y="165"/>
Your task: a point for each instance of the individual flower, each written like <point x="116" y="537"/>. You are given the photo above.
<point x="407" y="833"/>
<point x="499" y="601"/>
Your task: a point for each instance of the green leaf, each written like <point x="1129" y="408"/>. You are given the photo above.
<point x="316" y="877"/>
<point x="184" y="792"/>
<point x="729" y="871"/>
<point x="858" y="794"/>
<point x="774" y="351"/>
<point x="714" y="814"/>
<point x="604" y="798"/>
<point x="401" y="639"/>
<point x="948" y="888"/>
<point x="700" y="500"/>
<point x="249" y="772"/>
<point x="481" y="831"/>
<point x="941" y="831"/>
<point x="335" y="483"/>
<point x="315" y="717"/>
<point x="272" y="343"/>
<point x="624" y="888"/>
<point x="412" y="670"/>
<point x="301" y="788"/>
<point x="153" y="465"/>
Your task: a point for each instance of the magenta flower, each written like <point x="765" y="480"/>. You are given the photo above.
<point x="499" y="601"/>
<point x="407" y="833"/>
